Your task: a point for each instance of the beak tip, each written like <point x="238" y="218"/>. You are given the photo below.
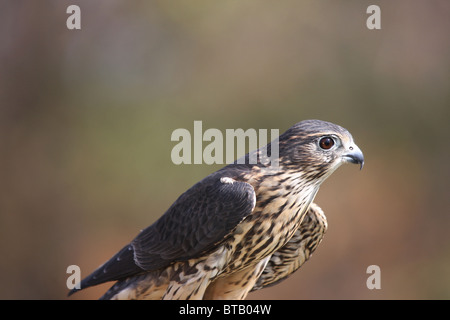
<point x="356" y="157"/>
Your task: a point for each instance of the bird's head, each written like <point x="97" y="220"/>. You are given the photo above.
<point x="317" y="148"/>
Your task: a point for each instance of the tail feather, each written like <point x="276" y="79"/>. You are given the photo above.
<point x="119" y="267"/>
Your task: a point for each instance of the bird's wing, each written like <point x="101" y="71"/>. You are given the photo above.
<point x="296" y="251"/>
<point x="197" y="222"/>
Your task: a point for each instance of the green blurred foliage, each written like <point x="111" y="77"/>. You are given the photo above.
<point x="86" y="119"/>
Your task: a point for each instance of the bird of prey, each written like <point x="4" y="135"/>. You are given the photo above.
<point x="241" y="228"/>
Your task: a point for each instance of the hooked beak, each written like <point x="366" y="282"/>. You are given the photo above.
<point x="354" y="155"/>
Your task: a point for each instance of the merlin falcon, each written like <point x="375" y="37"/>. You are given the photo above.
<point x="240" y="229"/>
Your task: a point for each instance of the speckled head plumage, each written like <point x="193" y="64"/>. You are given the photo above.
<point x="318" y="147"/>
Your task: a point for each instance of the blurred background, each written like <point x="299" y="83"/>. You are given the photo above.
<point x="86" y="118"/>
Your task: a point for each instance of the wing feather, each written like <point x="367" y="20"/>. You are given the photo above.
<point x="199" y="220"/>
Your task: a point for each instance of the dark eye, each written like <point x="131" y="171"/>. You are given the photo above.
<point x="326" y="143"/>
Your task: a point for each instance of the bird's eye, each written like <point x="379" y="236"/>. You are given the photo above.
<point x="326" y="143"/>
